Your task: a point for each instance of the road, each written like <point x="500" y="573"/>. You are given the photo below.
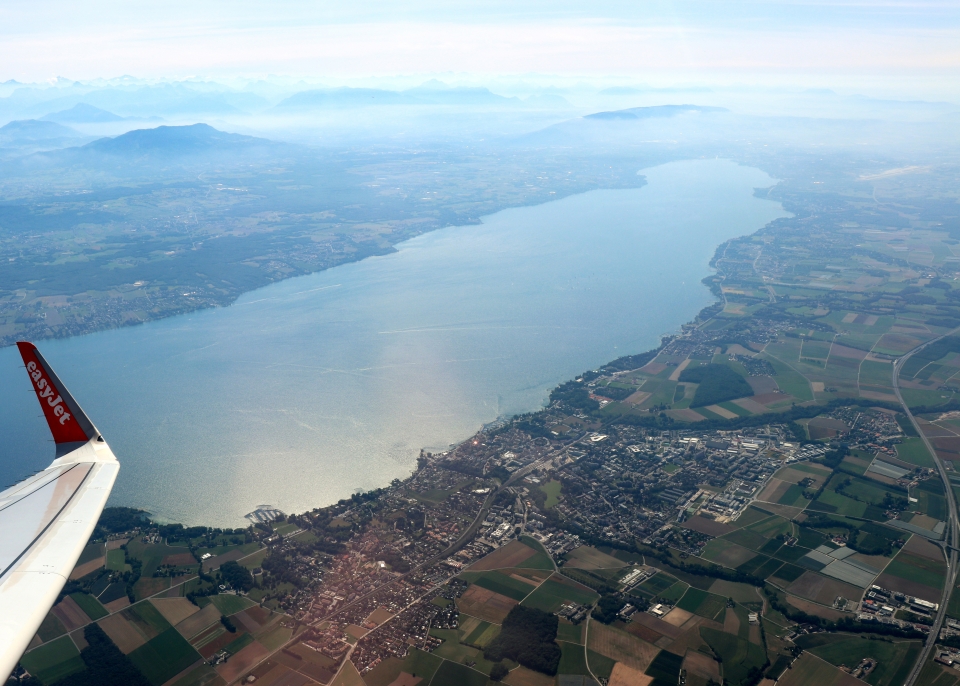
<point x="952" y="524"/>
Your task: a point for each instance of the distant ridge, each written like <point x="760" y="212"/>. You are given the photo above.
<point x="656" y="111"/>
<point x="173" y="140"/>
<point x="82" y="113"/>
<point x="31" y="130"/>
<point x="427" y="94"/>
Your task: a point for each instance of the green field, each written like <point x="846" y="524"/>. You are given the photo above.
<point x="552" y="594"/>
<point x="90" y="605"/>
<point x="452" y="674"/>
<point x="913" y="450"/>
<point x="868" y="491"/>
<point x="772" y="527"/>
<point x="573" y="659"/>
<point x="552" y="491"/>
<point x="53" y="661"/>
<point x="164" y="656"/>
<point x="702" y="603"/>
<point x="482" y="635"/>
<point x="421" y="664"/>
<point x="738" y="655"/>
<point x="714" y="549"/>
<point x="658" y="583"/>
<point x="151" y="556"/>
<point x="916" y="568"/>
<point x="539" y="561"/>
<point x="675" y="592"/>
<point x="747" y="538"/>
<point x="790" y="381"/>
<point x="572" y="633"/>
<point x="600" y="665"/>
<point x="833" y="502"/>
<point x="51" y="627"/>
<point x="751" y="515"/>
<point x="230" y="604"/>
<point x="894" y="657"/>
<point x="504" y="585"/>
<point x="116" y="560"/>
<point x="254" y="560"/>
<point x="434" y="495"/>
<point x="451" y="649"/>
<point x="238" y="644"/>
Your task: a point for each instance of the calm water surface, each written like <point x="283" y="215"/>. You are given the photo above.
<point x="307" y="390"/>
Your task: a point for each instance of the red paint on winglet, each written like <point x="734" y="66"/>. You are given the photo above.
<point x="63" y="425"/>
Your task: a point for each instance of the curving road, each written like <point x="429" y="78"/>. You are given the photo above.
<point x="952" y="527"/>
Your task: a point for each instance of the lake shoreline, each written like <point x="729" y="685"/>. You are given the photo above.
<point x="332" y="383"/>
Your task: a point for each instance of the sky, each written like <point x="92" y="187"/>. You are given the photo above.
<point x="807" y="41"/>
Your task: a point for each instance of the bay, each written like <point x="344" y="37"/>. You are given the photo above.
<point x="303" y="392"/>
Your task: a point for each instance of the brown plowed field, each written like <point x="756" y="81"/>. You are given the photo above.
<point x="822" y="589"/>
<point x="773" y="491"/>
<point x="895" y="583"/>
<point x="379" y="616"/>
<point x="509" y="555"/>
<point x="197" y="622"/>
<point x="785" y="511"/>
<point x="68" y="612"/>
<point x="731" y="623"/>
<point x="126" y="638"/>
<point x="229" y="556"/>
<point x="118" y="604"/>
<point x="521" y="676"/>
<point x="690" y="638"/>
<point x="242" y="661"/>
<point x="770" y="398"/>
<point x="87" y="567"/>
<point x="918" y="545"/>
<point x="762" y="384"/>
<point x="658" y="625"/>
<point x="627" y="676"/>
<point x="814" y="609"/>
<point x="174" y="610"/>
<point x="701" y="665"/>
<point x="844" y="351"/>
<point x="707" y="526"/>
<point x="677" y="617"/>
<point x="644" y="632"/>
<point x="809" y="669"/>
<point x="734" y="556"/>
<point x="485" y="604"/>
<point x="180" y="560"/>
<point x="117" y="543"/>
<point x="621" y="646"/>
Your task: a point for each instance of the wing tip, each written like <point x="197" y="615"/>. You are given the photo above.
<point x="65" y="419"/>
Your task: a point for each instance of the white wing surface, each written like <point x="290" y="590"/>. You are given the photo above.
<point x="47" y="519"/>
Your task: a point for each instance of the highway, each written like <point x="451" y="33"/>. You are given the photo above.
<point x="950" y="549"/>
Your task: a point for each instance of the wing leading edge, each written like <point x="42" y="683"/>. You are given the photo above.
<point x="47" y="519"/>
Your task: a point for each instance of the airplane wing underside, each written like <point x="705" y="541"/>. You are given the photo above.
<point x="47" y="519"/>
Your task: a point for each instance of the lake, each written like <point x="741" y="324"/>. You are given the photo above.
<point x="305" y="391"/>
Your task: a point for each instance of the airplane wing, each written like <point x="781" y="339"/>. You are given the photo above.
<point x="47" y="519"/>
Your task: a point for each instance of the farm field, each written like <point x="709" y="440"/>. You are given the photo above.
<point x="738" y="655"/>
<point x="702" y="603"/>
<point x="894" y="658"/>
<point x="620" y="646"/>
<point x="54" y="660"/>
<point x="808" y="669"/>
<point x="553" y="592"/>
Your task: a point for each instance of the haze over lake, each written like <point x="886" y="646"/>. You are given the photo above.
<point x="307" y="390"/>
